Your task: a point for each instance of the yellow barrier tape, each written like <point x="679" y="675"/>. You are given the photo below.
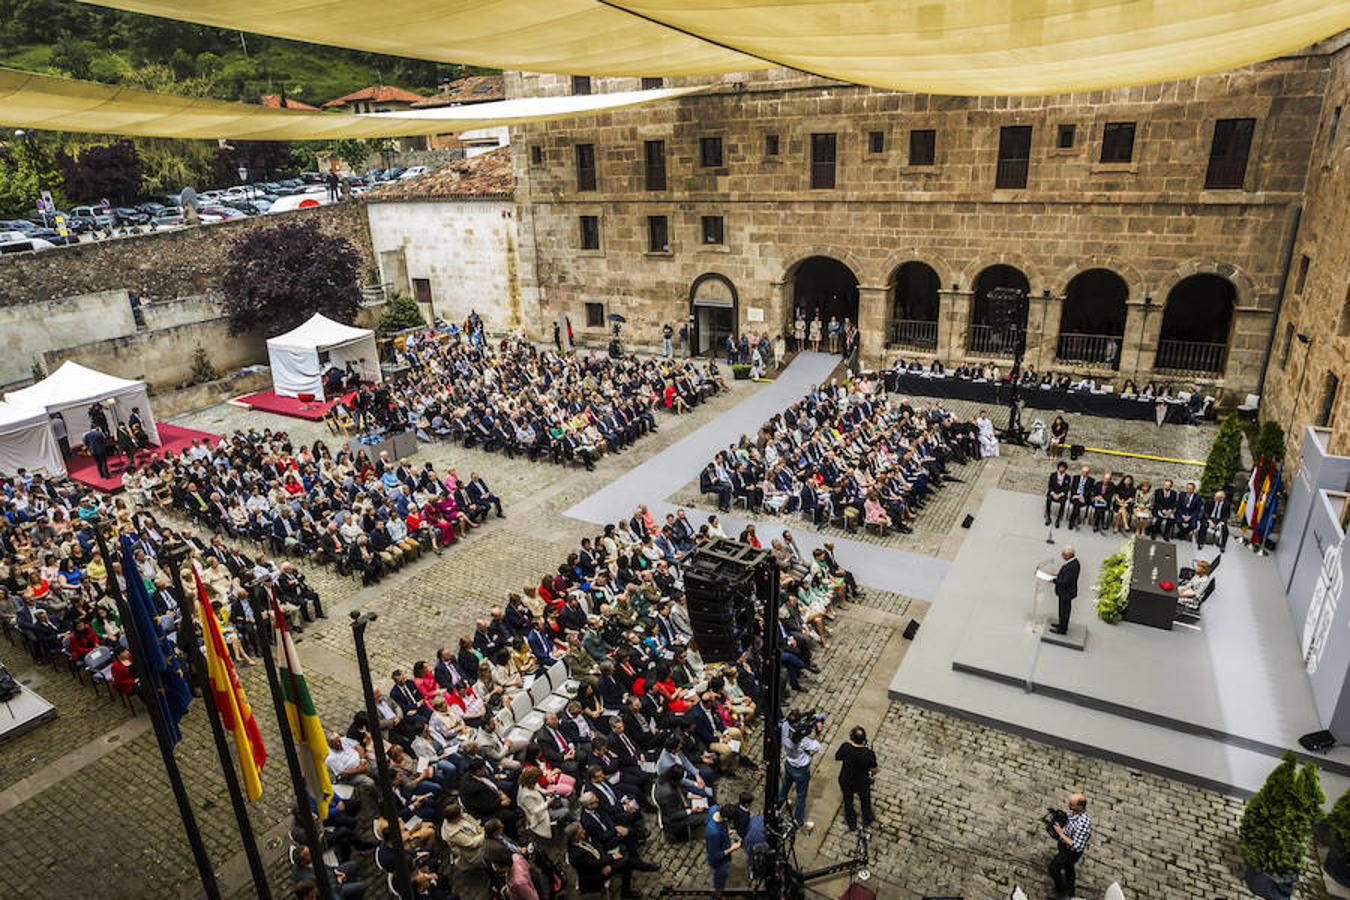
<point x="1184" y="462"/>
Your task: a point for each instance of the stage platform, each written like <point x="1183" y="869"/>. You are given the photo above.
<point x="1215" y="707"/>
<point x="80" y="466"/>
<point x="23" y="712"/>
<point x="270" y="401"/>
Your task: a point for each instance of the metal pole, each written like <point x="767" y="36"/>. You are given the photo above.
<point x="209" y="887"/>
<point x="303" y="812"/>
<point x="176" y="554"/>
<point x="394" y="831"/>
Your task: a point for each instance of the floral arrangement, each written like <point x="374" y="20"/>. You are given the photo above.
<point x="1113" y="584"/>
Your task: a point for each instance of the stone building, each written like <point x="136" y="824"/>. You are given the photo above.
<point x="1149" y="227"/>
<point x="1310" y="359"/>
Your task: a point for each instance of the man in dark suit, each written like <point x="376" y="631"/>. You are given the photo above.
<point x="1057" y="491"/>
<point x="1214" y="524"/>
<point x="1164" y="511"/>
<point x="1190" y="510"/>
<point x="96" y="445"/>
<point x="1066" y="588"/>
<point x="709" y="483"/>
<point x="1081" y="487"/>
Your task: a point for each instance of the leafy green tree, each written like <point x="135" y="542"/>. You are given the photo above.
<point x="26" y="170"/>
<point x="400" y="313"/>
<point x="351" y="151"/>
<point x="1338" y="822"/>
<point x="71" y="56"/>
<point x="1224" y="456"/>
<point x="276" y="278"/>
<point x="1270" y="442"/>
<point x="110" y="170"/>
<point x="1276" y="829"/>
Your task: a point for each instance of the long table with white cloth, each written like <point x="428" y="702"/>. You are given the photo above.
<point x="995" y="393"/>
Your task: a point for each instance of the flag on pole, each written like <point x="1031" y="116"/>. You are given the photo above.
<point x="300" y="713"/>
<point x="235" y="713"/>
<point x="154" y="655"/>
<point x="1263" y="496"/>
<point x="1270" y="503"/>
<point x="1247" y="508"/>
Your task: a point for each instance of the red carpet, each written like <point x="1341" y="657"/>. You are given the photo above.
<point x="81" y="466"/>
<point x="270" y="401"/>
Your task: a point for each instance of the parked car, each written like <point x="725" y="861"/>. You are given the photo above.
<point x="151" y="209"/>
<point x="101" y="217"/>
<point x="18" y="242"/>
<point x="219" y="213"/>
<point x="413" y="172"/>
<point x="299" y="201"/>
<point x="126" y="215"/>
<point x="311" y="177"/>
<point x="169" y="217"/>
<point x="393" y="172"/>
<point x="52" y="236"/>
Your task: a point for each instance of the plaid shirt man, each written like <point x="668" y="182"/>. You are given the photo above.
<point x="1079" y="830"/>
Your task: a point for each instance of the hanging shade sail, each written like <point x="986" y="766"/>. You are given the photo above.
<point x="29" y="100"/>
<point x="937" y="46"/>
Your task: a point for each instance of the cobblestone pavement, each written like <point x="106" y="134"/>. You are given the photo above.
<point x="87" y="812"/>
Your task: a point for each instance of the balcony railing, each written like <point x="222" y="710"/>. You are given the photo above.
<point x="990" y="341"/>
<point x="1093" y="349"/>
<point x="1011" y="173"/>
<point x="919" y="333"/>
<point x="1190" y="356"/>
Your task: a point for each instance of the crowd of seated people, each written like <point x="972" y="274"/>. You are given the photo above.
<point x="851" y="455"/>
<point x="57" y="591"/>
<point x="650" y="739"/>
<point x="1115" y="504"/>
<point x="517" y="398"/>
<point x="1197" y="404"/>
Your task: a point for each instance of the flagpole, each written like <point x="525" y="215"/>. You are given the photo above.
<point x="208" y="876"/>
<point x="394" y="828"/>
<point x="303" y="811"/>
<point x="176" y="554"/>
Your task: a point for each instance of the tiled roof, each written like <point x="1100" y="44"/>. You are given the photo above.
<point x="487" y="175"/>
<point x="377" y="93"/>
<point x="461" y="91"/>
<point x="274" y="101"/>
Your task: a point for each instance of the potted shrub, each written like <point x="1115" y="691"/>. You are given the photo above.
<point x="740" y="372"/>
<point x="1276" y="830"/>
<point x="1338" y="839"/>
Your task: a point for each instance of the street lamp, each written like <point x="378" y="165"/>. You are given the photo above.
<point x="243" y="179"/>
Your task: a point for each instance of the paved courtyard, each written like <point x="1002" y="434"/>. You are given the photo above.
<point x="86" y="810"/>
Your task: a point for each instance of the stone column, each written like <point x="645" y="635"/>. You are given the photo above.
<point x="1150" y="331"/>
<point x="872" y="324"/>
<point x="954" y="309"/>
<point x="1043" y="316"/>
<point x="1133" y="359"/>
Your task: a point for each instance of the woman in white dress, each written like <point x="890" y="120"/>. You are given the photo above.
<point x="988" y="440"/>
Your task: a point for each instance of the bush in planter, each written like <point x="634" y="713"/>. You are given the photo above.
<point x="1270" y="442"/>
<point x="1276" y="829"/>
<point x="1338" y="829"/>
<point x="400" y="313"/>
<point x="740" y="372"/>
<point x="1113" y="585"/>
<point x="1224" y="456"/>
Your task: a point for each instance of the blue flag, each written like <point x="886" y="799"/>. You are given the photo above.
<point x="154" y="655"/>
<point x="1272" y="503"/>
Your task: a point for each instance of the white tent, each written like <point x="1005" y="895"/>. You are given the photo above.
<point x="72" y="389"/>
<point x="27" y="442"/>
<point x="300" y="357"/>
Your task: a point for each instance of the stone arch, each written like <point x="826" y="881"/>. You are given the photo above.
<point x="825" y="285"/>
<point x="711" y="319"/>
<point x="1132" y="277"/>
<point x="1035" y="278"/>
<point x="1196" y="331"/>
<point x="1241" y="281"/>
<point x="843" y="254"/>
<point x="948" y="274"/>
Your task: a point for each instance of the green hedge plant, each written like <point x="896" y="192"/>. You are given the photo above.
<point x="1225" y="454"/>
<point x="400" y="313"/>
<point x="1113" y="585"/>
<point x="1275" y="834"/>
<point x="1270" y="442"/>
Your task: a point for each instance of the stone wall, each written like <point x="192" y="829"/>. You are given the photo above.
<point x="466" y="249"/>
<point x="27" y="332"/>
<point x="169" y="264"/>
<point x="1316" y="304"/>
<point x="1150" y="220"/>
<point x="163" y="358"/>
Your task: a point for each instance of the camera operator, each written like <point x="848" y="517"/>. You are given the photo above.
<point x="1072" y="833"/>
<point x="858" y="768"/>
<point x="801" y="733"/>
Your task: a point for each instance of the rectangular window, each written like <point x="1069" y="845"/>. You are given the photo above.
<point x="1345" y="315"/>
<point x="876" y="142"/>
<point x="1066" y="135"/>
<point x="590" y="232"/>
<point x="595" y="315"/>
<point x="1228" y="153"/>
<point x="537" y="155"/>
<point x="652" y="84"/>
<point x="422" y="290"/>
<point x="581" y="84"/>
<point x="1331" y="386"/>
<point x="1014" y="156"/>
<point x="1288" y="344"/>
<point x="585" y="167"/>
<point x="1335" y="127"/>
<point x="710" y="152"/>
<point x="654" y="165"/>
<point x="1118" y="142"/>
<point x="658" y="234"/>
<point x="1302" y="278"/>
<point x="770" y="145"/>
<point x="823" y="155"/>
<point x="712" y="229"/>
<point x="922" y="147"/>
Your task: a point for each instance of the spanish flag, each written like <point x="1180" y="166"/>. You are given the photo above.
<point x="311" y="745"/>
<point x="235" y="713"/>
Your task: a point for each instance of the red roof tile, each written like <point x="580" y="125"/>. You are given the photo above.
<point x="488" y="175"/>
<point x="274" y="101"/>
<point x="377" y="93"/>
<point x="463" y="91"/>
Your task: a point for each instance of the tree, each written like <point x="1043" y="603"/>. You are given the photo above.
<point x="276" y="278"/>
<point x="108" y="170"/>
<point x="26" y="170"/>
<point x="1276" y="829"/>
<point x="400" y="313"/>
<point x="71" y="56"/>
<point x="266" y="161"/>
<point x="353" y="152"/>
<point x="1270" y="442"/>
<point x="1224" y="455"/>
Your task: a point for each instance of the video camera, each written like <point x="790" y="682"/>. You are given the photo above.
<point x="1052" y="818"/>
<point x="802" y="722"/>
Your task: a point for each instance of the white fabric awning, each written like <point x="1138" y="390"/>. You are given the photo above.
<point x="73" y="388"/>
<point x="299" y="357"/>
<point x="27" y="442"/>
<point x="319" y="332"/>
